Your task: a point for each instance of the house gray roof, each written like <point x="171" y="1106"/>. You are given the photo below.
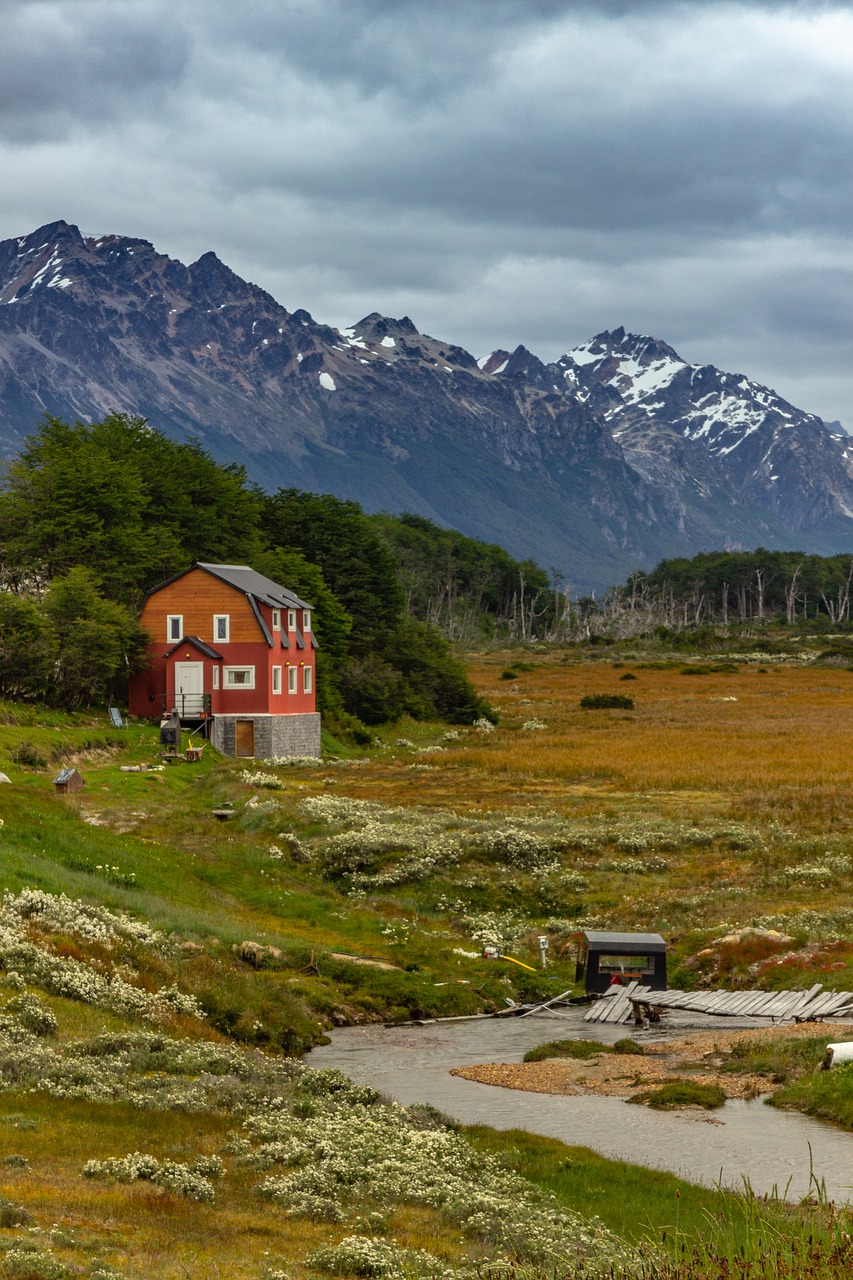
<point x="255" y="584"/>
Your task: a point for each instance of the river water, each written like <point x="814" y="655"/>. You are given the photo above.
<point x="743" y="1140"/>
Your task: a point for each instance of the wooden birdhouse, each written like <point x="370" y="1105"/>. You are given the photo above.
<point x="68" y="781"/>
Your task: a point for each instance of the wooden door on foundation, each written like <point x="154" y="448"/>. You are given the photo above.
<point x="244" y="735"/>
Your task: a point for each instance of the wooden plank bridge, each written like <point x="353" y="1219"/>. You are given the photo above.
<point x="635" y="1003"/>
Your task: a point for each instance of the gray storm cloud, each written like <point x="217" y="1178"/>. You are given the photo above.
<point x="503" y="170"/>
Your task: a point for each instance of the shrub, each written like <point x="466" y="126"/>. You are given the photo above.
<point x="509" y="674"/>
<point x="566" y="1049"/>
<point x="681" y="1093"/>
<point x="607" y="701"/>
<point x="32" y="1014"/>
<point x="25" y="1263"/>
<point x="12" y="1215"/>
<point x="29" y="755"/>
<point x="627" y="1045"/>
<point x="190" y="1180"/>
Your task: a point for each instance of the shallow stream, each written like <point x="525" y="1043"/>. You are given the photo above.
<point x="743" y="1140"/>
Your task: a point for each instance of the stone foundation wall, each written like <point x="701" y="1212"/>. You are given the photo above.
<point x="293" y="735"/>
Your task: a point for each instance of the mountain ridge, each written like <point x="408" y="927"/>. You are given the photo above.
<point x="595" y="464"/>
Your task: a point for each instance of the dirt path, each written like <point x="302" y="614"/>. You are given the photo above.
<point x="696" y="1057"/>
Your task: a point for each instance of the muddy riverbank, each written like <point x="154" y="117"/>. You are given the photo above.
<point x="744" y="1139"/>
<point x="696" y="1057"/>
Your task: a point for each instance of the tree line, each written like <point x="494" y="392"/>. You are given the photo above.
<point x="722" y="589"/>
<point x="93" y="515"/>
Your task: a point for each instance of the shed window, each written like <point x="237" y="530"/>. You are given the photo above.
<point x="276" y="619"/>
<point x="276" y="679"/>
<point x="175" y="626"/>
<point x="307" y="679"/>
<point x="625" y="964"/>
<point x="239" y="677"/>
<point x="291" y="619"/>
<point x="306" y="620"/>
<point x="221" y="627"/>
<point x="292" y="676"/>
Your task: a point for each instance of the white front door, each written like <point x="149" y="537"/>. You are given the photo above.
<point x="189" y="688"/>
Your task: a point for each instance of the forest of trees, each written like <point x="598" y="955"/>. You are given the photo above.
<point x="93" y="515"/>
<point x="470" y="590"/>
<point x="747" y="586"/>
<point x="720" y="591"/>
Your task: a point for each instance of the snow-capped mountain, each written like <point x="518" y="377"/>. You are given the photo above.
<point x="610" y="458"/>
<point x="771" y="452"/>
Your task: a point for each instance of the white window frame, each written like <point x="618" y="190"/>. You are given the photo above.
<point x="292" y="679"/>
<point x="216" y="677"/>
<point x="306" y="620"/>
<point x="307" y="679"/>
<point x="217" y="618"/>
<point x="174" y="633"/>
<point x="276" y="679"/>
<point x="230" y="683"/>
<point x="276" y="619"/>
<point x="291" y="619"/>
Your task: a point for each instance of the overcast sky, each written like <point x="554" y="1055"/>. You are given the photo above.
<point x="502" y="171"/>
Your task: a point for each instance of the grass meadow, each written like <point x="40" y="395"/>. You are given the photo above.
<point x="716" y="810"/>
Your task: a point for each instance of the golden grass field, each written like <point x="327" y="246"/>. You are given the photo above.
<point x="762" y="737"/>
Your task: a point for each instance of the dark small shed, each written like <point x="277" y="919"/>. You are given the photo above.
<point x="625" y="956"/>
<point x="67" y="781"/>
<point x="170" y="731"/>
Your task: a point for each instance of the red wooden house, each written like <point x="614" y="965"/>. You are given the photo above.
<point x="231" y="651"/>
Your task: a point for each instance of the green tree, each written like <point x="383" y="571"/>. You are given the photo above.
<point x="27" y="648"/>
<point x="394" y="664"/>
<point x="356" y="564"/>
<point x="124" y="500"/>
<point x="98" y="641"/>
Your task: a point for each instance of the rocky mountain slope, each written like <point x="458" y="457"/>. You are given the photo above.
<point x="614" y="456"/>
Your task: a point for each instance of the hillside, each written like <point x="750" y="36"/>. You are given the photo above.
<point x="610" y="459"/>
<point x="146" y="1011"/>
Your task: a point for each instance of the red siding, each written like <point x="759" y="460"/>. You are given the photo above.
<point x="196" y="597"/>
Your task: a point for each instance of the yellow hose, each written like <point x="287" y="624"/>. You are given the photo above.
<point x="519" y="962"/>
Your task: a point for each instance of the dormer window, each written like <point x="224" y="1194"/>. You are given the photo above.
<point x="175" y="626"/>
<point x="221" y="628"/>
<point x="306" y="620"/>
<point x="276" y="619"/>
<point x="291" y="619"/>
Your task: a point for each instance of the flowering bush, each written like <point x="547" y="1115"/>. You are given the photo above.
<point x="76" y="979"/>
<point x="290" y="762"/>
<point x="260" y="779"/>
<point x="350" y="1154"/>
<point x="145" y="1070"/>
<point x="53" y="913"/>
<point x="32" y="1264"/>
<point x="517" y="846"/>
<point x="190" y="1180"/>
<point x="368" y="1256"/>
<point x="31" y="1013"/>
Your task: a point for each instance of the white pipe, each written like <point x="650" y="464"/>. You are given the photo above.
<point x="837" y="1054"/>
